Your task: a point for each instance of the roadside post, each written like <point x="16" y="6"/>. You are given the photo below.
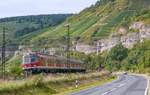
<point x="77" y="83"/>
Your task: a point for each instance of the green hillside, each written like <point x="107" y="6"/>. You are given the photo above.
<point x="26" y="27"/>
<point x="91" y="24"/>
<point x="95" y="22"/>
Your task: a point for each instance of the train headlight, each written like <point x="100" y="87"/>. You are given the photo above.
<point x="24" y="66"/>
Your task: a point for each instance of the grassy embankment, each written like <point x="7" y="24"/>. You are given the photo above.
<point x="60" y="84"/>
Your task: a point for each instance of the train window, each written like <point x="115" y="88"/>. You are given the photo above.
<point x="34" y="58"/>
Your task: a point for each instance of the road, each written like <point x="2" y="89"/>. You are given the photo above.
<point x="125" y="85"/>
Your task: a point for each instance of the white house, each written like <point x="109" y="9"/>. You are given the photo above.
<point x="87" y="49"/>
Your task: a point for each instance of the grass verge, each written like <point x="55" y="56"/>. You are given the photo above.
<point x="59" y="84"/>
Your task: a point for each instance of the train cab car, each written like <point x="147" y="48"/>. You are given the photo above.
<point x="30" y="61"/>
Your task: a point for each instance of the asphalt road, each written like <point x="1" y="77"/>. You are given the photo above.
<point x="125" y="85"/>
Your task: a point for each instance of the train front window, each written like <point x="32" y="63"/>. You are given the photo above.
<point x="26" y="59"/>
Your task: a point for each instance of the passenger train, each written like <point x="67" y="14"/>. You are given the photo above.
<point x="37" y="63"/>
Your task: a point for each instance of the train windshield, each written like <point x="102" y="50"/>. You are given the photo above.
<point x="26" y="59"/>
<point x="30" y="58"/>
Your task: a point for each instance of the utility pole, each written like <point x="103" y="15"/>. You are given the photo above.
<point x="3" y="54"/>
<point x="68" y="43"/>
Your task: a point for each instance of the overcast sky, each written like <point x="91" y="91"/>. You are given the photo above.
<point x="10" y="8"/>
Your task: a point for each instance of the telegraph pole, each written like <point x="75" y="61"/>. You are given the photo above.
<point x="3" y="53"/>
<point x="68" y="43"/>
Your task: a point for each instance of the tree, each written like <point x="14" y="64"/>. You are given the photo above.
<point x="93" y="62"/>
<point x="145" y="59"/>
<point x="115" y="56"/>
<point x="118" y="53"/>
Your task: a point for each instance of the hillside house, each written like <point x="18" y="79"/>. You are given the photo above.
<point x="145" y="32"/>
<point x="136" y="25"/>
<point x="130" y="39"/>
<point x="87" y="49"/>
<point x="107" y="44"/>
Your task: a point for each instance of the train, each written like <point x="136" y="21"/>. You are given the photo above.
<point x="38" y="63"/>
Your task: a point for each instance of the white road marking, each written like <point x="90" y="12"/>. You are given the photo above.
<point x="146" y="91"/>
<point x="105" y="93"/>
<point x="113" y="89"/>
<point x="121" y="85"/>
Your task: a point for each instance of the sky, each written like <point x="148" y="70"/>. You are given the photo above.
<point x="9" y="8"/>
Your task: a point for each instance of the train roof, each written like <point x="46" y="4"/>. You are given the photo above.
<point x="58" y="57"/>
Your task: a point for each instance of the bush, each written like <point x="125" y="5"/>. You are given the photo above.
<point x="14" y="66"/>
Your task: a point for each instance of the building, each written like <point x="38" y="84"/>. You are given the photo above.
<point x="130" y="39"/>
<point x="87" y="49"/>
<point x="107" y="44"/>
<point x="145" y="32"/>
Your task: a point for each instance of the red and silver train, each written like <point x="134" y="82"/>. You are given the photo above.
<point x="37" y="63"/>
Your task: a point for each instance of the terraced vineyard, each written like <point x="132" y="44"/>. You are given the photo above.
<point x="93" y="23"/>
<point x="97" y="21"/>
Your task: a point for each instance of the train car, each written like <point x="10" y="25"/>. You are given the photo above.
<point x="37" y="63"/>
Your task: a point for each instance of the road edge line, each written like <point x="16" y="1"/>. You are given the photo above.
<point x="147" y="88"/>
<point x="148" y="82"/>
